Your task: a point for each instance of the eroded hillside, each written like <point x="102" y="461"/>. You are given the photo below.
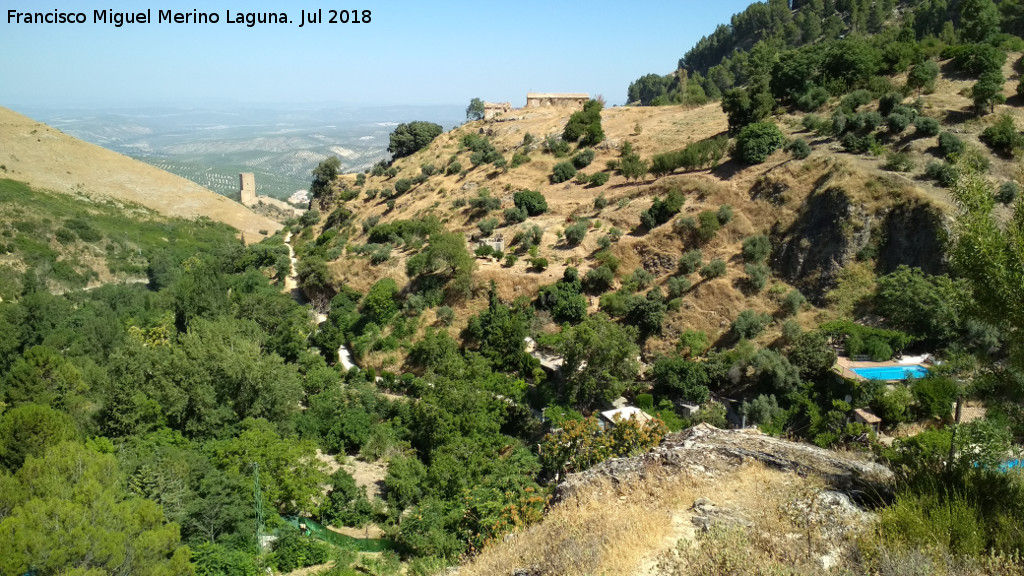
<point x="48" y="159"/>
<point x="820" y="213"/>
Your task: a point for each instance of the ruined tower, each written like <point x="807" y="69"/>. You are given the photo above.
<point x="247" y="188"/>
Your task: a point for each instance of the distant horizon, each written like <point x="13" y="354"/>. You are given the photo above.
<point x="410" y="54"/>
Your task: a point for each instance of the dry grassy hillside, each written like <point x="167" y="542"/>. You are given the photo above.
<point x="48" y="159"/>
<point x="770" y="198"/>
<point x="706" y="501"/>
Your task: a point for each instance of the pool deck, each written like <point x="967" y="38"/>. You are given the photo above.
<point x="843" y="366"/>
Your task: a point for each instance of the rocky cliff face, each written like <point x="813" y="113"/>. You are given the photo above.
<point x="834" y="227"/>
<point x="914" y="234"/>
<point x="829" y="231"/>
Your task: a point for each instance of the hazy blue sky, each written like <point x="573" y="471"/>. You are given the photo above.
<point x="413" y="52"/>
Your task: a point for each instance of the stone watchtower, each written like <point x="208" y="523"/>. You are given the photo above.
<point x="247" y="188"/>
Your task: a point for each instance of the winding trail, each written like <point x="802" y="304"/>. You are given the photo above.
<point x="291" y="285"/>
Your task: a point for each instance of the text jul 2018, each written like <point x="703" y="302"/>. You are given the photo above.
<point x="250" y="19"/>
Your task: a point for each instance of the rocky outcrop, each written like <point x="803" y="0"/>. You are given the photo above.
<point x="708" y="451"/>
<point x="834" y="228"/>
<point x="914" y="234"/>
<point x="825" y="237"/>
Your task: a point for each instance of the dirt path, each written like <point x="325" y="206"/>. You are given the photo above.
<point x="291" y="285"/>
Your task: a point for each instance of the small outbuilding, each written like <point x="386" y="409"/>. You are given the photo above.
<point x="862" y="416"/>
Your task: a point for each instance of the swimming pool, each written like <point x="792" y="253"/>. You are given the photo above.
<point x="892" y="372"/>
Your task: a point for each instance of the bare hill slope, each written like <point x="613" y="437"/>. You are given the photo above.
<point x="46" y="158"/>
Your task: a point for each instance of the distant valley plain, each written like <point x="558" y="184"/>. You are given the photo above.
<point x="211" y="146"/>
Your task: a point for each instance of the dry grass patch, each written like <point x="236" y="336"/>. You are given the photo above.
<point x="657" y="526"/>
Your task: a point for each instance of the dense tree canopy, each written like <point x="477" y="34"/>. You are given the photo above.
<point x="413" y="136"/>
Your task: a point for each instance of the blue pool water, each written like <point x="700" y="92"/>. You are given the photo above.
<point x="892" y="372"/>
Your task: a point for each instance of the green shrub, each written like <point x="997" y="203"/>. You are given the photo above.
<point x="757" y="276"/>
<point x="64" y="236"/>
<point x="1008" y="192"/>
<point x="725" y="214"/>
<point x="897" y="123"/>
<point x="483" y="202"/>
<point x="815" y="123"/>
<point x="898" y="162"/>
<point x="539" y="263"/>
<point x="487" y="226"/>
<point x="574" y="233"/>
<point x="714" y="269"/>
<point x="857" y="143"/>
<point x="813" y="99"/>
<point x="677" y="286"/>
<point x="922" y="76"/>
<point x="950" y="144"/>
<point x="757" y="141"/>
<point x="583" y="158"/>
<point x="515" y="215"/>
<point x="585" y="125"/>
<point x="292" y="550"/>
<point x="556" y="146"/>
<point x="975" y="59"/>
<point x="1002" y="136"/>
<point x="943" y="172"/>
<point x="402" y="186"/>
<point x="709" y="225"/>
<point x="878" y="349"/>
<point x="598" y="280"/>
<point x="749" y="324"/>
<point x="888" y="102"/>
<point x="600" y="203"/>
<point x="599" y="178"/>
<point x="510" y="260"/>
<point x="988" y="91"/>
<point x="925" y="127"/>
<point x="562" y="172"/>
<point x="530" y="200"/>
<point x="454" y="167"/>
<point x="855" y="100"/>
<point x="934" y="395"/>
<point x="411" y="137"/>
<point x="518" y="159"/>
<point x="701" y="154"/>
<point x="445" y="315"/>
<point x="799" y="148"/>
<point x="793" y="302"/>
<point x="528" y="236"/>
<point x="756" y="248"/>
<point x="975" y="159"/>
<point x="308" y="218"/>
<point x="870" y="120"/>
<point x="839" y="121"/>
<point x="662" y="210"/>
<point x="690" y="262"/>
